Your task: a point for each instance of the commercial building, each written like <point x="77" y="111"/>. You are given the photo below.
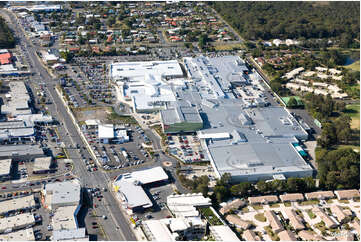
<point x="21" y="235"/>
<point x="43" y="165"/>
<point x="21" y="203"/>
<point x="6" y="58"/>
<point x="21" y="152"/>
<point x="175" y="229"/>
<point x="5" y="169"/>
<point x="146" y="84"/>
<point x="65" y="218"/>
<point x="59" y="194"/>
<point x="17" y="100"/>
<point x="129" y="190"/>
<point x="13" y="223"/>
<point x="70" y="235"/>
<point x="186" y="205"/>
<point x="249" y="143"/>
<point x="108" y="134"/>
<point x="180" y="117"/>
<point x="240" y="135"/>
<point x="45" y="8"/>
<point x="223" y="233"/>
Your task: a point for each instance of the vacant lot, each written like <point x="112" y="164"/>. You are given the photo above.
<point x="354" y="66"/>
<point x="100" y="113"/>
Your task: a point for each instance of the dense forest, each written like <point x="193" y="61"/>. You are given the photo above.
<point x="268" y="20"/>
<point x="6" y="37"/>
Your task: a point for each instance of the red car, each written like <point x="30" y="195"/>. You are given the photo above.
<point x="3" y="188"/>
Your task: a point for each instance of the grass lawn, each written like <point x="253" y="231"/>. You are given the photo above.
<point x="287" y="204"/>
<point x="274" y="205"/>
<point x="257" y="207"/>
<point x="260" y="217"/>
<point x="353" y="110"/>
<point x="210" y="216"/>
<point x="227" y="47"/>
<point x="329" y="201"/>
<point x="354" y="147"/>
<point x="321" y="226"/>
<point x="310" y="214"/>
<point x="309" y="202"/>
<point x="269" y="231"/>
<point x="245" y="210"/>
<point x="354" y="66"/>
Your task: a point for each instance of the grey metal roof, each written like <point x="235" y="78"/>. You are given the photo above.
<point x="69" y="234"/>
<point x="64" y="192"/>
<point x="20" y="149"/>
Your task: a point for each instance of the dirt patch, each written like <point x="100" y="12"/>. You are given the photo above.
<point x="355" y="123"/>
<point x="100" y="113"/>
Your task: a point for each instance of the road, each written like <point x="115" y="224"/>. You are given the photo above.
<point x="116" y="226"/>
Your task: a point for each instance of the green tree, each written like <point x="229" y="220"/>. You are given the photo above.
<point x="292" y="103"/>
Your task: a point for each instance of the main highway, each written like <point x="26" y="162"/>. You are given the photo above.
<point x="116" y="226"/>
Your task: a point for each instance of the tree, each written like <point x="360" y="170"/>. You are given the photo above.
<point x="67" y="56"/>
<point x="221" y="193"/>
<point x="241" y="189"/>
<point x="203" y="39"/>
<point x="328" y="135"/>
<point x="262" y="186"/>
<point x="292" y="103"/>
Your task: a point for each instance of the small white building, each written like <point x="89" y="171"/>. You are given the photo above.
<point x="107" y="134"/>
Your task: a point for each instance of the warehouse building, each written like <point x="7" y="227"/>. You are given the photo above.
<point x="129" y="190"/>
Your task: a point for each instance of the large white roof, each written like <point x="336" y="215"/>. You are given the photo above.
<point x="5" y="167"/>
<point x="133" y="195"/>
<point x="106" y="131"/>
<point x="129" y="186"/>
<point x="223" y="233"/>
<point x="145" y="176"/>
<point x="134" y="70"/>
<point x="67" y="192"/>
<point x="158" y="230"/>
